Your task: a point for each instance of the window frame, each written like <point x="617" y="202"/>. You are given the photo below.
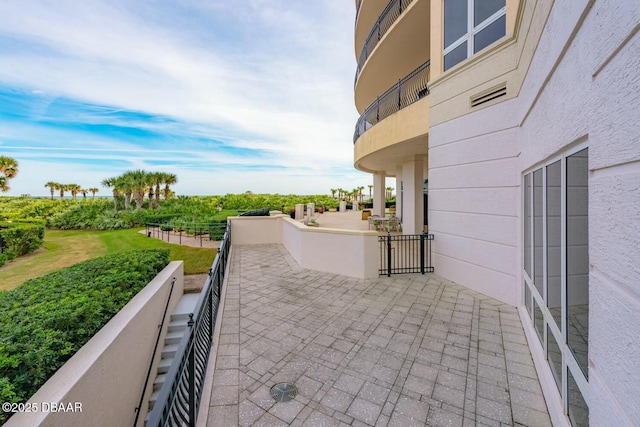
<point x="472" y="30"/>
<point x="559" y="332"/>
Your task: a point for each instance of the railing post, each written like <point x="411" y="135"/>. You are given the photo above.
<point x="400" y="6"/>
<point x="399" y="95"/>
<point x="192" y="374"/>
<point x="388" y="254"/>
<point x="378" y="109"/>
<point x="422" y="242"/>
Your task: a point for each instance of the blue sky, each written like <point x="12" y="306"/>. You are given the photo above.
<point x="229" y="95"/>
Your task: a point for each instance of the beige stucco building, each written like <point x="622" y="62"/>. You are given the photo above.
<point x="511" y="129"/>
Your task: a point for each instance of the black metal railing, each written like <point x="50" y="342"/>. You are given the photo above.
<point x="405" y="253"/>
<point x="386" y="19"/>
<point x="179" y="398"/>
<point x="408" y="90"/>
<point x="358" y="9"/>
<point x="199" y="231"/>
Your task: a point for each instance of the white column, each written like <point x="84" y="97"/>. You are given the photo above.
<point x="378" y="194"/>
<point x="399" y="203"/>
<point x="413" y="208"/>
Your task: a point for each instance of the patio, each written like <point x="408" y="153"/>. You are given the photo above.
<point x="349" y="220"/>
<point x="400" y="351"/>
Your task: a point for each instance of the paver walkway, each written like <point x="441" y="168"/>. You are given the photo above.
<point x="400" y="351"/>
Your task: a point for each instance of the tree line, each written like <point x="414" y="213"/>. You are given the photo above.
<point x="75" y="189"/>
<point x="134" y="185"/>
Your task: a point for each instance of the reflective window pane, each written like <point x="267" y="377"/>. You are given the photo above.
<point x="482" y="9"/>
<point x="491" y="33"/>
<point x="554" y="355"/>
<point x="538" y="321"/>
<point x="455" y="20"/>
<point x="578" y="256"/>
<point x="578" y="409"/>
<point x="527" y="224"/>
<point x="537" y="230"/>
<point x="527" y="299"/>
<point x="554" y="241"/>
<point x="456" y="56"/>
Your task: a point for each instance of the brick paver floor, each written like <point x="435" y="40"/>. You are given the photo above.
<point x="400" y="351"/>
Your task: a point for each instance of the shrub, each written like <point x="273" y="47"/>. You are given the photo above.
<point x="20" y="238"/>
<point x="46" y="320"/>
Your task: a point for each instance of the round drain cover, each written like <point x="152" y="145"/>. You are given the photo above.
<point x="283" y="392"/>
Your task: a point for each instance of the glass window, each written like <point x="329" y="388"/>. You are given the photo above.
<point x="527" y="224"/>
<point x="456" y="56"/>
<point x="554" y="355"/>
<point x="527" y="299"/>
<point x="537" y="230"/>
<point x="578" y="409"/>
<point x="470" y="26"/>
<point x="578" y="256"/>
<point x="489" y="34"/>
<point x="483" y="9"/>
<point x="538" y="321"/>
<point x="554" y="241"/>
<point x="556" y="261"/>
<point x="455" y="20"/>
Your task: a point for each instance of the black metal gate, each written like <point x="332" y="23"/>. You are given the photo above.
<point x="405" y="253"/>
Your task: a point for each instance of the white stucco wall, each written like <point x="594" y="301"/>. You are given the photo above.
<point x="106" y="375"/>
<point x="473" y="201"/>
<point x="583" y="86"/>
<point x="350" y="253"/>
<point x="587" y="88"/>
<point x="256" y="230"/>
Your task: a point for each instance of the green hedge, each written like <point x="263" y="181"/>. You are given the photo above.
<point x="18" y="239"/>
<point x="46" y="320"/>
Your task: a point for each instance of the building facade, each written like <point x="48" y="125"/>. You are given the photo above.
<point x="512" y="130"/>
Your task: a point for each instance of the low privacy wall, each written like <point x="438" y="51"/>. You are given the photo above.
<point x="350" y="253"/>
<point x="101" y="384"/>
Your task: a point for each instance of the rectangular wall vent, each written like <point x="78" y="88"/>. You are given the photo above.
<point x="489" y="95"/>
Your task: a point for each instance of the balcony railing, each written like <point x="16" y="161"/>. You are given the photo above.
<point x="408" y="90"/>
<point x="388" y="16"/>
<point x="179" y="398"/>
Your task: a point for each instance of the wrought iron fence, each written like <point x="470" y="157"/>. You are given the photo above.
<point x="388" y="16"/>
<point x="179" y="398"/>
<point x="188" y="230"/>
<point x="408" y="90"/>
<point x="405" y="253"/>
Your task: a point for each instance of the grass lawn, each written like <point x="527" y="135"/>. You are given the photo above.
<point x="64" y="248"/>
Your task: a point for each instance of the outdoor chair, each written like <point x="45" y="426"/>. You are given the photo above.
<point x="393" y="224"/>
<point x="375" y="222"/>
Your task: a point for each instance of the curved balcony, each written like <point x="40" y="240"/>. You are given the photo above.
<point x="389" y="15"/>
<point x="408" y="90"/>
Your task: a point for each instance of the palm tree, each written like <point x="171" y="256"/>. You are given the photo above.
<point x="333" y="192"/>
<point x="62" y="188"/>
<point x="389" y="193"/>
<point x="126" y="187"/>
<point x="113" y="184"/>
<point x="169" y="179"/>
<point x="93" y="191"/>
<point x="370" y="188"/>
<point x="52" y="187"/>
<point x="75" y="189"/>
<point x="8" y="170"/>
<point x="84" y="192"/>
<point x="155" y="178"/>
<point x="139" y="181"/>
<point x="161" y="176"/>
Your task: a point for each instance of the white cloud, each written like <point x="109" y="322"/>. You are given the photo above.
<point x="261" y="75"/>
